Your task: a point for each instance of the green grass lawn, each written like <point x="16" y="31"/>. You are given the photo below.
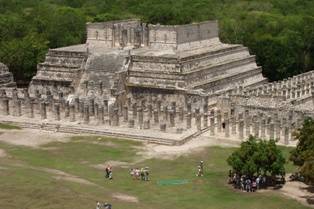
<point x="24" y="185"/>
<point x="8" y="126"/>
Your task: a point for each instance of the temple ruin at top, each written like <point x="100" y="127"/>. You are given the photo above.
<point x="136" y="57"/>
<point x="163" y="84"/>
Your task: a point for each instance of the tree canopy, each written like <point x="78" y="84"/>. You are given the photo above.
<point x="303" y="154"/>
<point x="279" y="32"/>
<point x="257" y="156"/>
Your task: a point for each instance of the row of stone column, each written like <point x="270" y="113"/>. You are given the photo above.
<point x="245" y="125"/>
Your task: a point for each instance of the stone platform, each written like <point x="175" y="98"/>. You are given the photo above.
<point x="150" y="136"/>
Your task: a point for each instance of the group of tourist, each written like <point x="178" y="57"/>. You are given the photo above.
<point x="104" y="206"/>
<point x="140" y="174"/>
<point x="246" y="183"/>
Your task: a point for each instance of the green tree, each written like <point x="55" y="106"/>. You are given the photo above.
<point x="303" y="154"/>
<point x="257" y="156"/>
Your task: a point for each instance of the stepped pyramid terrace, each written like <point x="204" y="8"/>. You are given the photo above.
<point x="163" y="84"/>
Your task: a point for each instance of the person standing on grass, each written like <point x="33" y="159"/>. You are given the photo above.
<point x="98" y="206"/>
<point x="142" y="174"/>
<point x="110" y="173"/>
<point x="146" y="174"/>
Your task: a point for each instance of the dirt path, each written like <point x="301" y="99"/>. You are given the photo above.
<point x="171" y="152"/>
<point x="31" y="137"/>
<point x="2" y="153"/>
<point x="299" y="191"/>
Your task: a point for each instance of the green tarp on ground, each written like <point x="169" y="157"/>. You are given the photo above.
<point x="172" y="182"/>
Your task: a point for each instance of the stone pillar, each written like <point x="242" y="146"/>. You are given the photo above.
<point x="286" y="135"/>
<point x="227" y="132"/>
<point x="140" y="117"/>
<point x="256" y="127"/>
<point x="150" y="110"/>
<point x="156" y="116"/>
<point x="174" y="108"/>
<point x="212" y="126"/>
<point x="263" y="129"/>
<point x="5" y="106"/>
<point x="198" y="119"/>
<point x="72" y="113"/>
<point x="82" y="110"/>
<point x="86" y="114"/>
<point x="19" y="108"/>
<point x="91" y="104"/>
<point x="57" y="112"/>
<point x="181" y="114"/>
<point x="247" y="127"/>
<point x="205" y="120"/>
<point x="77" y="104"/>
<point x="188" y="120"/>
<point x="131" y="123"/>
<point x="134" y="111"/>
<point x="163" y="127"/>
<point x="189" y="107"/>
<point x="241" y="129"/>
<point x="101" y="115"/>
<point x="172" y="117"/>
<point x="165" y="111"/>
<point x="43" y="110"/>
<point x="115" y="117"/>
<point x="31" y="109"/>
<point x="67" y="110"/>
<point x="271" y="130"/>
<point x="96" y="108"/>
<point x="106" y="107"/>
<point x="233" y="126"/>
<point x="125" y="113"/>
<point x="147" y="124"/>
<point x="218" y="120"/>
<point x="158" y="107"/>
<point x="278" y="129"/>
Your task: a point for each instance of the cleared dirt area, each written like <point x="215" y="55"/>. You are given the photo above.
<point x="32" y="138"/>
<point x="300" y="192"/>
<point x="125" y="198"/>
<point x="2" y="153"/>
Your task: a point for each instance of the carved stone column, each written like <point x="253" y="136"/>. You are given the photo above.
<point x="271" y="131"/>
<point x="101" y="115"/>
<point x="241" y="129"/>
<point x="147" y="124"/>
<point x="156" y="116"/>
<point x="218" y="115"/>
<point x="286" y="135"/>
<point x="115" y="117"/>
<point x="172" y="117"/>
<point x="198" y="120"/>
<point x="125" y="113"/>
<point x="263" y="129"/>
<point x="57" y="112"/>
<point x="86" y="114"/>
<point x="43" y="112"/>
<point x="72" y="113"/>
<point x="181" y="114"/>
<point x="140" y="117"/>
<point x="212" y="126"/>
<point x="188" y="120"/>
<point x="5" y="106"/>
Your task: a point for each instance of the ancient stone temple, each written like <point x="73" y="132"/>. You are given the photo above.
<point x="162" y="84"/>
<point x="156" y="60"/>
<point x="6" y="78"/>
